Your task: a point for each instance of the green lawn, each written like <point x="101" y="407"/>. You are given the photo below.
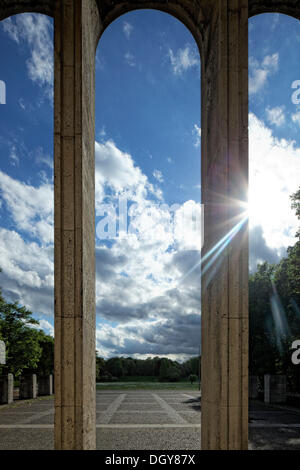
<point x="147" y="385"/>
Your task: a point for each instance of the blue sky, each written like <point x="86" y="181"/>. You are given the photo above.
<point x="148" y="133"/>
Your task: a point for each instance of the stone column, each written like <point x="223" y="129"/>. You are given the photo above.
<point x="76" y="33"/>
<point x="51" y="388"/>
<point x="10" y="388"/>
<point x="224" y="190"/>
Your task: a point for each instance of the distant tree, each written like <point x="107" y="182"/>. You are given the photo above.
<point x="191" y="366"/>
<point x="173" y="373"/>
<point x="193" y="378"/>
<point x="114" y="366"/>
<point x="163" y="370"/>
<point x="45" y="364"/>
<point x="100" y="367"/>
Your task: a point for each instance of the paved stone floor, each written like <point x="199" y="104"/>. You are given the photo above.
<point x="134" y="420"/>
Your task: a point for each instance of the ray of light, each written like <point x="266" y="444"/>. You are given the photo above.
<point x="216" y="250"/>
<point x="279" y="317"/>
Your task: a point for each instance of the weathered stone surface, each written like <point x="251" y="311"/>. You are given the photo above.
<point x="288" y="7"/>
<point x="76" y="34"/>
<point x="189" y="12"/>
<point x="224" y="288"/>
<point x="13" y="7"/>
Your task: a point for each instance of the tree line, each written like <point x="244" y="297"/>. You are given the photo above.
<point x="160" y="368"/>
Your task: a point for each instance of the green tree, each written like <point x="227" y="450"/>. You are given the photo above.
<point x="100" y="367"/>
<point x="23" y="347"/>
<point x="45" y="364"/>
<point x="114" y="366"/>
<point x="193" y="378"/>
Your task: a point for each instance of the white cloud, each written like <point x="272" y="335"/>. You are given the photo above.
<point x="43" y="158"/>
<point x="130" y="59"/>
<point x="22" y="104"/>
<point x="127" y="29"/>
<point x="145" y="280"/>
<point x="36" y="31"/>
<point x="259" y="72"/>
<point x="276" y="115"/>
<point x="296" y="118"/>
<point x="13" y="155"/>
<point x="197" y="133"/>
<point x="27" y="272"/>
<point x="46" y="326"/>
<point x="30" y="207"/>
<point x="117" y="170"/>
<point x="158" y="176"/>
<point x="138" y="277"/>
<point x="274" y="176"/>
<point x="184" y="59"/>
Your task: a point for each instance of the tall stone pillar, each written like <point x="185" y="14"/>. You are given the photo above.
<point x="224" y="190"/>
<point x="76" y="33"/>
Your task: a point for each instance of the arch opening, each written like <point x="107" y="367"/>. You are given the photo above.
<point x="27" y="206"/>
<point x="274" y="168"/>
<point x="148" y="213"/>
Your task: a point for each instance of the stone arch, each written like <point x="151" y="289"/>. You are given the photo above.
<point x="220" y="28"/>
<point x="287" y="7"/>
<point x="190" y="13"/>
<point x="9" y="8"/>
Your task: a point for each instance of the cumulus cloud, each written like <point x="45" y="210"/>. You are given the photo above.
<point x="30" y="207"/>
<point x="184" y="59"/>
<point x="276" y="115"/>
<point x="117" y="172"/>
<point x="259" y="72"/>
<point x="274" y="166"/>
<point x="36" y="31"/>
<point x="46" y="326"/>
<point x="147" y="278"/>
<point x="164" y="337"/>
<point x="27" y="272"/>
<point x="139" y="274"/>
<point x="259" y="251"/>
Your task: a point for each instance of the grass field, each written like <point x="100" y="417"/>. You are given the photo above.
<point x="146" y="385"/>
